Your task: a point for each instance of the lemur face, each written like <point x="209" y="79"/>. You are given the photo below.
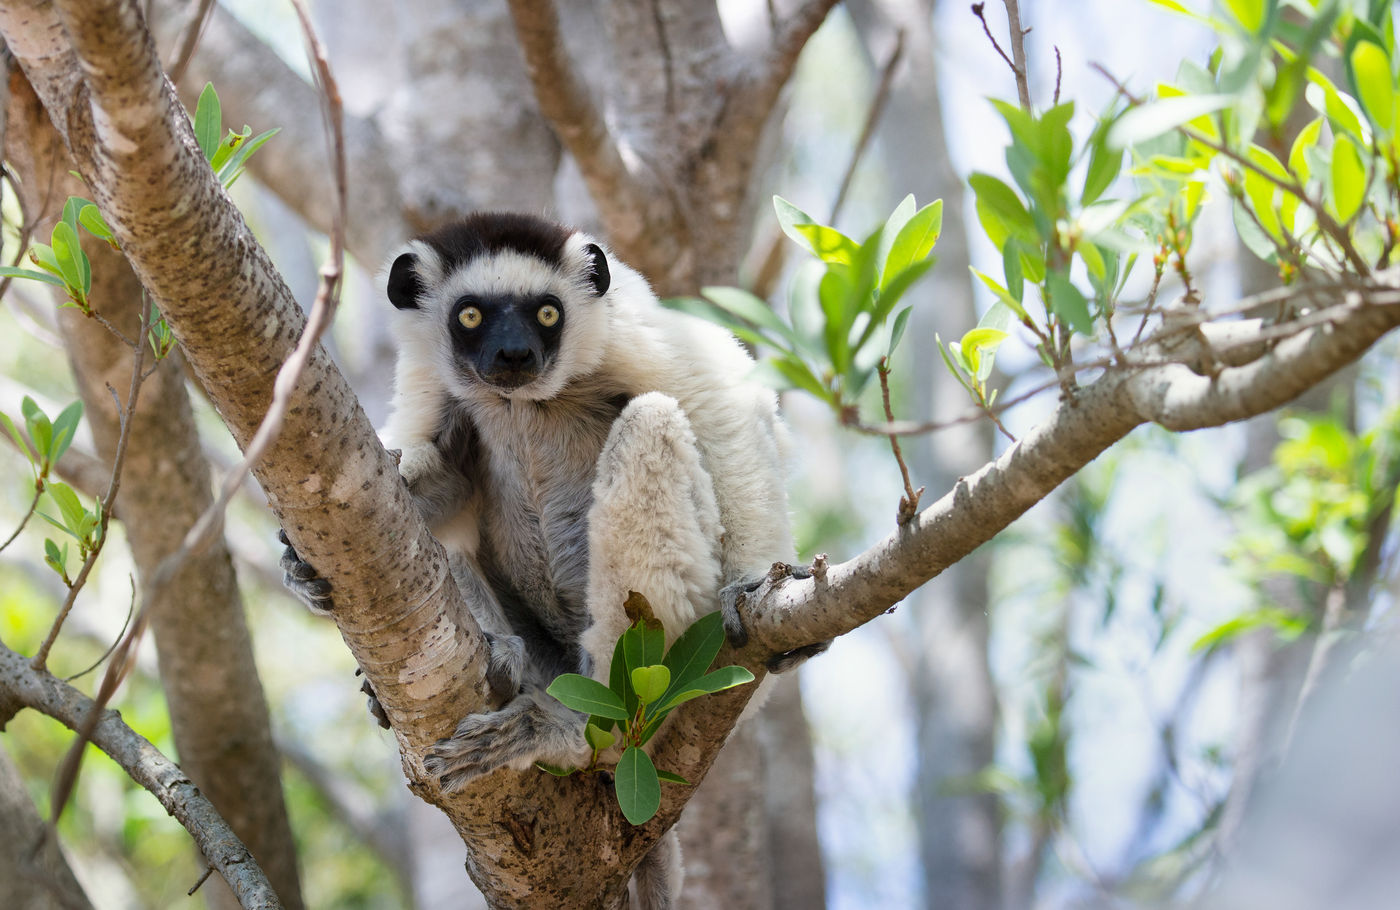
<point x="511" y="301"/>
<point x="506" y="340"/>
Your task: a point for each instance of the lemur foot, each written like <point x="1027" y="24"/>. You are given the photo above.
<point x="302" y="579"/>
<point x="531" y="728"/>
<point x="732" y="599"/>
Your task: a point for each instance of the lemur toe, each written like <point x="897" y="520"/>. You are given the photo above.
<point x="376" y="710"/>
<point x="302" y="579"/>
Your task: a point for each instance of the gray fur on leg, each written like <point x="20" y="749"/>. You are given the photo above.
<point x="532" y="727"/>
<point x="656" y="882"/>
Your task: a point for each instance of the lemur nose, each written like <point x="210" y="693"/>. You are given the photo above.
<point x="515" y="357"/>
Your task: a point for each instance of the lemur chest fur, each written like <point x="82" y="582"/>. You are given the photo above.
<point x="536" y="483"/>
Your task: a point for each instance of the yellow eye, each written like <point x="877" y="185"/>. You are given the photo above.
<point x="548" y="315"/>
<point x="470" y="317"/>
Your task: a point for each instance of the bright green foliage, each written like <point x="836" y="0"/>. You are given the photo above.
<point x="227" y="156"/>
<point x="646" y="683"/>
<point x="837" y="328"/>
<point x="49" y="438"/>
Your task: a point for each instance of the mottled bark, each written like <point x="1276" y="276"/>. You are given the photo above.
<point x="42" y="882"/>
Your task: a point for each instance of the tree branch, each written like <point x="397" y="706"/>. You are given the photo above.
<point x="23" y="686"/>
<point x="569" y="107"/>
<point x="790" y="613"/>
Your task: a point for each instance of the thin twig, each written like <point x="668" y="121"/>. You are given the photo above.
<point x="872" y="119"/>
<point x="909" y="502"/>
<point x="1018" y="52"/>
<point x="1059" y="73"/>
<point x="29" y="513"/>
<point x="1265" y="336"/>
<point x="189" y="40"/>
<point x="125" y="415"/>
<point x="978" y="11"/>
<point x="126" y="623"/>
<point x="772" y="265"/>
<point x="203" y="877"/>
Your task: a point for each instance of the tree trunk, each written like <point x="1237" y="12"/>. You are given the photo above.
<point x="42" y="882"/>
<point x="218" y="714"/>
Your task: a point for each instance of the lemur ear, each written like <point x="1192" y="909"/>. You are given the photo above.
<point x="405" y="287"/>
<point x="598" y="274"/>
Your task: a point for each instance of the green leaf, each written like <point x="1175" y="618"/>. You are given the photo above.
<point x="893" y="225"/>
<point x="588" y="696"/>
<point x="1288" y="626"/>
<point x="38" y="425"/>
<point x="1068" y="303"/>
<point x="913" y="243"/>
<point x="829" y="244"/>
<point x="208" y="120"/>
<point x="1348" y="178"/>
<point x="13" y="272"/>
<point x="837" y="295"/>
<point x="695" y="649"/>
<point x="638" y="787"/>
<point x="1001" y="211"/>
<point x="897" y="330"/>
<point x="891" y="295"/>
<point x="1297" y="161"/>
<point x="717" y="681"/>
<point x="1105" y="164"/>
<point x="791" y="373"/>
<point x="1013" y="303"/>
<point x="1249" y="13"/>
<point x="231" y="170"/>
<point x="72" y="261"/>
<point x="979" y="346"/>
<point x="1326" y="99"/>
<point x="598" y="738"/>
<point x="42" y="255"/>
<point x="15" y="435"/>
<point x="619" y="683"/>
<point x="71" y="207"/>
<point x="650" y="683"/>
<point x="1374" y="86"/>
<point x="643" y="647"/>
<point x="1157" y="117"/>
<point x="789" y="217"/>
<point x="55" y="557"/>
<point x="670" y="778"/>
<point x="64" y="426"/>
<point x="90" y="217"/>
<point x="750" y="308"/>
<point x="68" y="504"/>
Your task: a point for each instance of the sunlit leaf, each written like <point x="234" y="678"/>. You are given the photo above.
<point x="1348" y="178"/>
<point x="1374" y="86"/>
<point x="1157" y="117"/>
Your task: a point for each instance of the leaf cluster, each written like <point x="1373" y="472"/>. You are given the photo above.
<point x="47" y="440"/>
<point x="838" y="328"/>
<point x="645" y="684"/>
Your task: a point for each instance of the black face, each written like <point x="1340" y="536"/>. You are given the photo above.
<point x="506" y="341"/>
